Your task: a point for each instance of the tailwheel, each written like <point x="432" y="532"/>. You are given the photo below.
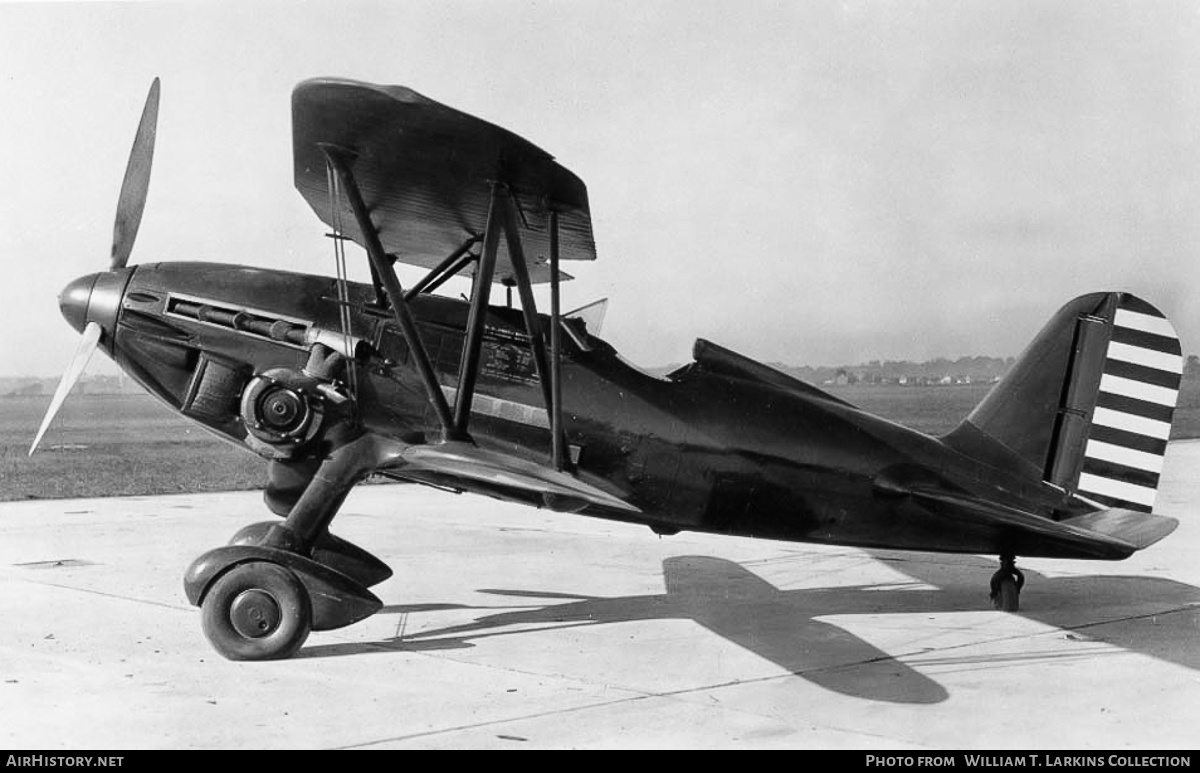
<point x="256" y="611"/>
<point x="1006" y="585"/>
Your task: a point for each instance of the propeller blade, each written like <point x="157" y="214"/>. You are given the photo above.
<point x="137" y="182"/>
<point x="83" y="353"/>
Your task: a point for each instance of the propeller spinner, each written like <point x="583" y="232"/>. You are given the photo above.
<point x="90" y="303"/>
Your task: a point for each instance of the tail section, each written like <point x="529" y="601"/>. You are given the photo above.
<point x="1088" y="404"/>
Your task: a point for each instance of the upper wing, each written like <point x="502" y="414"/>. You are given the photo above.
<point x="425" y="172"/>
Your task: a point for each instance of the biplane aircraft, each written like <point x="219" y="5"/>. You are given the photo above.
<point x="333" y="381"/>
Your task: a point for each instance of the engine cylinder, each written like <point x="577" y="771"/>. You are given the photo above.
<point x="282" y="413"/>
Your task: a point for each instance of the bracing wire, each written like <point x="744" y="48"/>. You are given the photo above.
<point x="343" y="289"/>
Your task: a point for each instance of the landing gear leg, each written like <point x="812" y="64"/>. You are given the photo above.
<point x="260" y="599"/>
<point x="1006" y="585"/>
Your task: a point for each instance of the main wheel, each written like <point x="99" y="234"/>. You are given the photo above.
<point x="256" y="611"/>
<point x="1006" y="592"/>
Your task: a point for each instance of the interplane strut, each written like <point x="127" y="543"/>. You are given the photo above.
<point x="501" y="219"/>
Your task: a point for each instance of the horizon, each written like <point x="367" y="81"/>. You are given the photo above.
<point x="1191" y="361"/>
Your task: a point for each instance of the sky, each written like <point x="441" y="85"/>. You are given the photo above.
<point x="805" y="182"/>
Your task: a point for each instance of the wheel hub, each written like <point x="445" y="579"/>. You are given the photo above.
<point x="254" y="613"/>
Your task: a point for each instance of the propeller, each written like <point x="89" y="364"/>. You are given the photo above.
<point x="83" y="353"/>
<point x="130" y="204"/>
<point x="136" y="183"/>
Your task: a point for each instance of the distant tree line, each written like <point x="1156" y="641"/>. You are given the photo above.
<point x="942" y="370"/>
<point x="972" y="370"/>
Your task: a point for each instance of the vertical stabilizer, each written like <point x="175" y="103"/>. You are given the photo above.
<point x="1088" y="404"/>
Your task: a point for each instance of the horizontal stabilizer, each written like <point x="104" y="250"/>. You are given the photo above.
<point x="1138" y="529"/>
<point x="463" y="460"/>
<point x="1030" y="534"/>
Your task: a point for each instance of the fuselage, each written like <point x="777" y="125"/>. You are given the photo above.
<point x="711" y="447"/>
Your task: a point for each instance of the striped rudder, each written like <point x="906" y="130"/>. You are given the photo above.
<point x="1135" y="402"/>
<point x="1087" y="406"/>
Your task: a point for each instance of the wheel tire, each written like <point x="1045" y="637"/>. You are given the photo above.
<point x="1007" y="596"/>
<point x="256" y="611"/>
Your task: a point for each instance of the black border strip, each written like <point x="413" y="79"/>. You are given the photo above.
<point x="1127" y="335"/>
<point x="1126" y="439"/>
<point x="1136" y="304"/>
<point x="1135" y="407"/>
<point x="1121" y="473"/>
<point x="1114" y="502"/>
<point x="1143" y="373"/>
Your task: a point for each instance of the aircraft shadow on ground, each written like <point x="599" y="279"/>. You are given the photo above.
<point x="784" y="626"/>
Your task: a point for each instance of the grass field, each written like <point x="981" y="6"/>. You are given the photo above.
<point x="112" y="445"/>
